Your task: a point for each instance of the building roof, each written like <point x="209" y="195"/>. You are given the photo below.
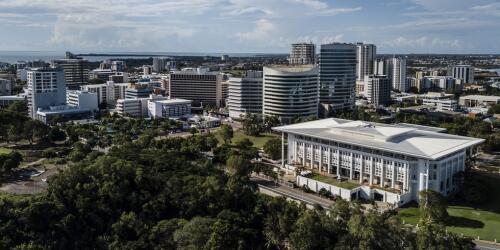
<point x="292" y="68"/>
<point x="407" y="139"/>
<point x="489" y="98"/>
<point x="173" y="101"/>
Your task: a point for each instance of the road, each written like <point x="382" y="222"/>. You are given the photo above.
<point x="291" y="193"/>
<point x="481" y="245"/>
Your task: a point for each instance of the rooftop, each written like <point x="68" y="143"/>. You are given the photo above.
<point x="292" y="68"/>
<point x="407" y="139"/>
<point x="173" y="101"/>
<point x="490" y="98"/>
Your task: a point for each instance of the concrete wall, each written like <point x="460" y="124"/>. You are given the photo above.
<point x="316" y="186"/>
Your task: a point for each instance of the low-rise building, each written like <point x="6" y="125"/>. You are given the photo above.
<point x="136" y="107"/>
<point x="471" y="101"/>
<point x="5" y="87"/>
<point x="170" y="108"/>
<point x="107" y="93"/>
<point x="390" y="163"/>
<point x="441" y="104"/>
<point x="82" y="99"/>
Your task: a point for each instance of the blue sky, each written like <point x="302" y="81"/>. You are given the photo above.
<point x="395" y="26"/>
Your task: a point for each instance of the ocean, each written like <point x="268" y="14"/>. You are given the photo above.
<point x="14" y="56"/>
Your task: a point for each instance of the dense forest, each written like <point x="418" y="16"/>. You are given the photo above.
<point x="168" y="194"/>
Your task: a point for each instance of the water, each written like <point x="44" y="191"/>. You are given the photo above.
<point x="14" y="56"/>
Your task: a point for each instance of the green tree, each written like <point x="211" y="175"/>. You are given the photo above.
<point x="194" y="234"/>
<point x="432" y="207"/>
<point x="433" y="236"/>
<point x="251" y="124"/>
<point x="226" y="132"/>
<point x="273" y="148"/>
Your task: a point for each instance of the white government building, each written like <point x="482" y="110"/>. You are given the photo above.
<point x="390" y="163"/>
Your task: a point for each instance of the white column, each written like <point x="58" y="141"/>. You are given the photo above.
<point x="282" y="149"/>
<point x="320" y="158"/>
<point x="371" y="170"/>
<point x="351" y="166"/>
<point x="393" y="182"/>
<point x="329" y="160"/>
<point x="382" y="174"/>
<point x="338" y="164"/>
<point x="361" y="170"/>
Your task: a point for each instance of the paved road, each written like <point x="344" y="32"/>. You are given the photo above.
<point x="481" y="245"/>
<point x="292" y="193"/>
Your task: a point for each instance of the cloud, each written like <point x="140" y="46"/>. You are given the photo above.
<point x="423" y="42"/>
<point x="263" y="30"/>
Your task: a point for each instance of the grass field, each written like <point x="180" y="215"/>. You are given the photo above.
<point x="5" y="150"/>
<point x="258" y="141"/>
<point x="473" y="221"/>
<point x="333" y="181"/>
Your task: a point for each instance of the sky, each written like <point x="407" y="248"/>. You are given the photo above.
<point x="250" y="26"/>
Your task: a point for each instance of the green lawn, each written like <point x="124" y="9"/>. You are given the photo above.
<point x="482" y="221"/>
<point x="258" y="141"/>
<point x="333" y="181"/>
<point x="5" y="150"/>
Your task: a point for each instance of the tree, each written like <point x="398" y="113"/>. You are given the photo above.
<point x="433" y="236"/>
<point x="270" y="122"/>
<point x="194" y="234"/>
<point x="10" y="161"/>
<point x="273" y="148"/>
<point x="432" y="207"/>
<point x="251" y="124"/>
<point x="34" y="129"/>
<point x="495" y="109"/>
<point x="226" y="132"/>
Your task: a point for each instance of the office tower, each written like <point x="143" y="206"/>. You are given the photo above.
<point x="147" y="70"/>
<point x="337" y="76"/>
<point x="378" y="89"/>
<point x="464" y="72"/>
<point x="245" y="94"/>
<point x="365" y="54"/>
<point x="382" y="66"/>
<point x="290" y="92"/>
<point x="391" y="162"/>
<point x="399" y="74"/>
<point x="5" y="87"/>
<point x="303" y="53"/>
<point x="76" y="71"/>
<point x="159" y="64"/>
<point x="118" y="66"/>
<point x="197" y="85"/>
<point x="46" y="87"/>
<point x="224" y="58"/>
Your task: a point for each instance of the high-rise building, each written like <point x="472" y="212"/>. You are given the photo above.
<point x="118" y="66"/>
<point x="200" y="86"/>
<point x="159" y="64"/>
<point x="337" y="76"/>
<point x="290" y="92"/>
<point x="464" y="72"/>
<point x="399" y="74"/>
<point x="245" y="94"/>
<point x="5" y="87"/>
<point x="303" y="53"/>
<point x="439" y="83"/>
<point x="378" y="89"/>
<point x="46" y="87"/>
<point x="365" y="54"/>
<point x="76" y="71"/>
<point x="147" y="70"/>
<point x="382" y="66"/>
